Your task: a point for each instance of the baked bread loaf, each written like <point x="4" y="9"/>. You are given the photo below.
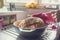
<point x="31" y="22"/>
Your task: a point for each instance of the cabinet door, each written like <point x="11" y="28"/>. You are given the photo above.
<point x="12" y="18"/>
<point x="5" y="20"/>
<point x="1" y="3"/>
<point x="58" y="16"/>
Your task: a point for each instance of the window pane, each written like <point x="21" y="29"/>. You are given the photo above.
<point x="22" y="1"/>
<point x="50" y="1"/>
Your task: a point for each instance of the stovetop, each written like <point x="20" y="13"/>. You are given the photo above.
<point x="11" y="34"/>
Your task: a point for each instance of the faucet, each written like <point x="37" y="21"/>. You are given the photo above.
<point x="12" y="5"/>
<point x="57" y="6"/>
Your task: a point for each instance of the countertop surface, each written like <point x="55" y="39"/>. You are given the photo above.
<point x="4" y="9"/>
<point x="7" y="14"/>
<point x="21" y="9"/>
<point x="11" y="34"/>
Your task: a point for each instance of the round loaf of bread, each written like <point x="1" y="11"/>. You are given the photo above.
<point x="31" y="22"/>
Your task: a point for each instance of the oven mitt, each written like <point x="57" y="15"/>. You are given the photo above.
<point x="47" y="17"/>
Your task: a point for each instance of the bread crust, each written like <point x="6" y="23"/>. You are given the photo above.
<point x="31" y="22"/>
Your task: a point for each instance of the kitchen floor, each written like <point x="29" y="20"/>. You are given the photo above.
<point x="11" y="34"/>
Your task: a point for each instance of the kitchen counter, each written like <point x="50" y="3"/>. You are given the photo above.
<point x="22" y="13"/>
<point x="11" y="34"/>
<point x="27" y="10"/>
<point x="19" y="14"/>
<point x="7" y="14"/>
<point x="36" y="10"/>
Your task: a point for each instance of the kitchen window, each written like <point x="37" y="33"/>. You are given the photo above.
<point x="18" y="3"/>
<point x="21" y="1"/>
<point x="50" y="2"/>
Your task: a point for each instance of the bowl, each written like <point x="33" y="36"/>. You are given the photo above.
<point x="29" y="33"/>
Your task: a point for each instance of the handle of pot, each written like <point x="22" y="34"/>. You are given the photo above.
<point x="26" y="30"/>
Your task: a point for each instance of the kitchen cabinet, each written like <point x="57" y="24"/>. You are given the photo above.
<point x="20" y="15"/>
<point x="1" y="3"/>
<point x="8" y="18"/>
<point x="5" y="20"/>
<point x="58" y="16"/>
<point x="1" y="20"/>
<point x="12" y="18"/>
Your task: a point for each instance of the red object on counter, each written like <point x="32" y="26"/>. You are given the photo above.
<point x="1" y="23"/>
<point x="54" y="27"/>
<point x="47" y="17"/>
